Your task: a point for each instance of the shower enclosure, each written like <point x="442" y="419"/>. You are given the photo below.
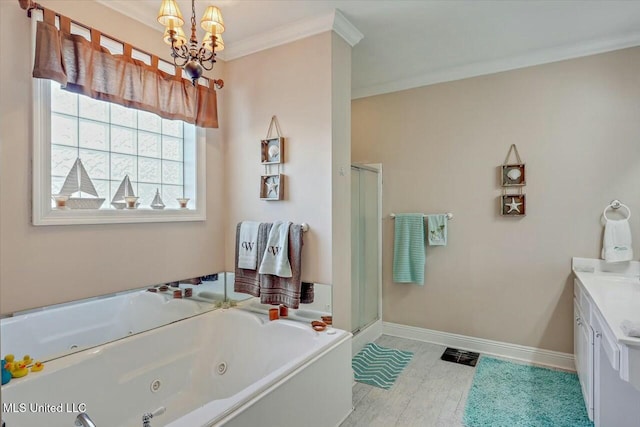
<point x="365" y="246"/>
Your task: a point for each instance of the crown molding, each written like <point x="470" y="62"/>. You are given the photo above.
<point x="278" y="36"/>
<point x="291" y="32"/>
<point x="533" y="58"/>
<point x="345" y="29"/>
<point x="332" y="21"/>
<point x="131" y="9"/>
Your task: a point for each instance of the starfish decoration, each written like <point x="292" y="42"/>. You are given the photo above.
<point x="513" y="206"/>
<point x="272" y="186"/>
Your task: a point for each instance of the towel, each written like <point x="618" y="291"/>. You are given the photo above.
<point x="248" y="251"/>
<point x="631" y="329"/>
<point x="248" y="281"/>
<point x="437" y="229"/>
<point x="276" y="255"/>
<point x="306" y="293"/>
<point x="408" y="249"/>
<point x="616" y="245"/>
<point x="277" y="290"/>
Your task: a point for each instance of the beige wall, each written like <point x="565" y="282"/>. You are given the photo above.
<point x="292" y="82"/>
<point x="577" y="129"/>
<point x="307" y="85"/>
<point x="47" y="265"/>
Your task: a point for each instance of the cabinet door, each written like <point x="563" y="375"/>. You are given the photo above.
<point x="583" y="354"/>
<point x="617" y="403"/>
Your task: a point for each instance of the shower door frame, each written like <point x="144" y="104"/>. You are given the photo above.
<point x="376" y="168"/>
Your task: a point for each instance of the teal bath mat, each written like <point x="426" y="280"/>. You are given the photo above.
<point x="506" y="394"/>
<point x="379" y="366"/>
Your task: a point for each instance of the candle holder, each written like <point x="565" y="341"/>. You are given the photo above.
<point x="284" y="311"/>
<point x="131" y="202"/>
<point x="61" y="201"/>
<point x="183" y="202"/>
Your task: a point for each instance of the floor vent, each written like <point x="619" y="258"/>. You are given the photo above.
<point x="463" y="357"/>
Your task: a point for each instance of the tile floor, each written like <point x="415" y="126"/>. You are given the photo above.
<point x="429" y="392"/>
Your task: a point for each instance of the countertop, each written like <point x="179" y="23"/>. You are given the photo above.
<point x="616" y="294"/>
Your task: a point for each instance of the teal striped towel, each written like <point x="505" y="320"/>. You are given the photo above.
<point x="409" y="249"/>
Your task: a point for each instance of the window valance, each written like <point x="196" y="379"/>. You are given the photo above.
<point x="87" y="68"/>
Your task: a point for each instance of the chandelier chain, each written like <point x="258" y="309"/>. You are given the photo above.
<point x="193" y="15"/>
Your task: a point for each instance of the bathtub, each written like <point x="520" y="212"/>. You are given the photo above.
<point x="55" y="331"/>
<point x="225" y="367"/>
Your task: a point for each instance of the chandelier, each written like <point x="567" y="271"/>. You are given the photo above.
<point x="190" y="55"/>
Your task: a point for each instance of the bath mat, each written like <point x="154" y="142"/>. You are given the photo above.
<point x="514" y="395"/>
<point x="379" y="366"/>
<point x="462" y="357"/>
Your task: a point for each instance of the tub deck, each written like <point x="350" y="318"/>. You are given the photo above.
<point x="217" y="368"/>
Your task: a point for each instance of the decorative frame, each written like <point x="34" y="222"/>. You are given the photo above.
<point x="513" y="205"/>
<point x="272" y="151"/>
<point x="513" y="175"/>
<point x="271" y="187"/>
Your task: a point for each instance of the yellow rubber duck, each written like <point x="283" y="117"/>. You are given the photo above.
<point x="10" y="365"/>
<point x="20" y="370"/>
<point x="27" y="360"/>
<point x="37" y="367"/>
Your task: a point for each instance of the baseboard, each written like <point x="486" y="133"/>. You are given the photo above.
<point x="370" y="334"/>
<point x="505" y="350"/>
<point x="345" y="418"/>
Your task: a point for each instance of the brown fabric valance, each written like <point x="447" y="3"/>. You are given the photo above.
<point x="87" y="68"/>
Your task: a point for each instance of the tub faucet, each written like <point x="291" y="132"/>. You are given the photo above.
<point x="83" y="420"/>
<point x="146" y="418"/>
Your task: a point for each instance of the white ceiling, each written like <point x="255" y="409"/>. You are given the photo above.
<point x="410" y="43"/>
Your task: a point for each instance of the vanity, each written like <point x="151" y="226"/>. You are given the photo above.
<point x="607" y="361"/>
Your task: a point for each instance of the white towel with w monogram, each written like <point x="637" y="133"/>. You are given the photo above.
<point x="276" y="255"/>
<point x="248" y="245"/>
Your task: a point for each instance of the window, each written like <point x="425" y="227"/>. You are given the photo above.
<point x="113" y="141"/>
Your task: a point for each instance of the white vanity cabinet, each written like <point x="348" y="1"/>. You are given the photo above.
<point x="616" y="401"/>
<point x="605" y="359"/>
<point x="583" y="352"/>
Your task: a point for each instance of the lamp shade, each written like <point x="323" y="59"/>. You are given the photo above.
<point x="179" y="36"/>
<point x="169" y="14"/>
<point x="212" y="21"/>
<point x="207" y="42"/>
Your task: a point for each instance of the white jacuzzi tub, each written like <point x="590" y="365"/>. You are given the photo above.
<point x="66" y="328"/>
<point x="226" y="367"/>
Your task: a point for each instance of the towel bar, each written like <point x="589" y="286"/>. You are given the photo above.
<point x="449" y="215"/>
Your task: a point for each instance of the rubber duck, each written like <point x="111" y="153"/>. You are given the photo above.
<point x="20" y="370"/>
<point x="6" y="375"/>
<point x="27" y="360"/>
<point x="10" y="364"/>
<point x="37" y="367"/>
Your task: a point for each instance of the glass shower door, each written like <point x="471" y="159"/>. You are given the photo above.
<point x="365" y="228"/>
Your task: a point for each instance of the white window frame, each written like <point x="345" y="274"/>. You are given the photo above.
<point x="44" y="214"/>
